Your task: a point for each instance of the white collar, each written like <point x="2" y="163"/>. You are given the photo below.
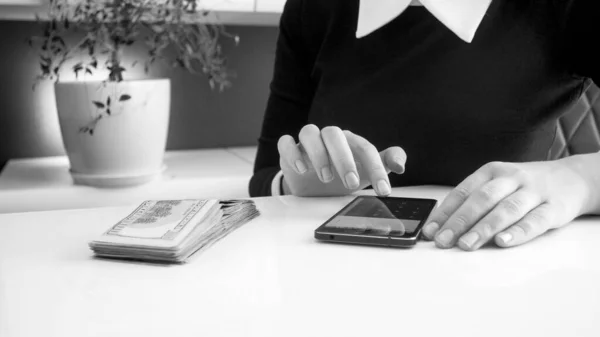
<point x="460" y="16"/>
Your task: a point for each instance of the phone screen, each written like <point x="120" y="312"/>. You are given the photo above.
<point x="381" y="216"/>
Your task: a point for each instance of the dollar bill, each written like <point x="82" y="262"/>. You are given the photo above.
<point x="173" y="230"/>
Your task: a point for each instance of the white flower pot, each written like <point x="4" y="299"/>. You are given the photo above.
<point x="114" y="134"/>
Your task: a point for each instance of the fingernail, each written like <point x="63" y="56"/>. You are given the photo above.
<point x="383" y="187"/>
<point x="431" y="229"/>
<point x="326" y="174"/>
<point x="469" y="240"/>
<point x="445" y="237"/>
<point x="400" y="163"/>
<point x="352" y="180"/>
<point x="505" y="237"/>
<point x="300" y="166"/>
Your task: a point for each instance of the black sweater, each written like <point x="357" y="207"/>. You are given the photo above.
<point x="452" y="106"/>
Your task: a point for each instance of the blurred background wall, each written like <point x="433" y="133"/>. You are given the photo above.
<point x="200" y="117"/>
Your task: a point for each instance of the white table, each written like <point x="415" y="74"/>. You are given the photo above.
<point x="42" y="184"/>
<point x="271" y="278"/>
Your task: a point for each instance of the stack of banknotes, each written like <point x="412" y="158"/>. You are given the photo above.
<point x="171" y="231"/>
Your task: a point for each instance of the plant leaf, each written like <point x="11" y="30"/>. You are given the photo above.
<point x="59" y="40"/>
<point x="45" y="69"/>
<point x="124" y="98"/>
<point x="77" y="68"/>
<point x="99" y="105"/>
<point x="45" y="60"/>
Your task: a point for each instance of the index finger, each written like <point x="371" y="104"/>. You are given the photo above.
<point x="453" y="201"/>
<point x="341" y="156"/>
<point x="371" y="162"/>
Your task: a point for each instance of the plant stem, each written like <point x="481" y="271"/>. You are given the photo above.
<point x="116" y="72"/>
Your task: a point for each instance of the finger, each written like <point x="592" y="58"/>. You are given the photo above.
<point x="394" y="159"/>
<point x="453" y="201"/>
<point x="508" y="211"/>
<point x="479" y="203"/>
<point x="341" y="156"/>
<point x="368" y="156"/>
<point x="311" y="142"/>
<point x="532" y="225"/>
<point x="290" y="153"/>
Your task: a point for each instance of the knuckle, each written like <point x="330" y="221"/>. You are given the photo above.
<point x="561" y="206"/>
<point x="499" y="168"/>
<point x="533" y="224"/>
<point x="344" y="162"/>
<point x="493" y="166"/>
<point x="510" y="168"/>
<point x="311" y="127"/>
<point x="320" y="157"/>
<point x="525" y="226"/>
<point x="316" y="154"/>
<point x="538" y="218"/>
<point x="308" y="130"/>
<point x="440" y="215"/>
<point x="522" y="176"/>
<point x="461" y="193"/>
<point x="461" y="221"/>
<point x="283" y="140"/>
<point x="280" y="143"/>
<point x="330" y="130"/>
<point x="395" y="157"/>
<point x="489" y="229"/>
<point x="377" y="170"/>
<point x="512" y="206"/>
<point x="366" y="147"/>
<point x="444" y="213"/>
<point x="487" y="193"/>
<point x="283" y="147"/>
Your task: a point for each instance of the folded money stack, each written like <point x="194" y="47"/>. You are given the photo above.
<point x="171" y="231"/>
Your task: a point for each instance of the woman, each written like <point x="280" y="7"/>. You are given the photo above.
<point x="468" y="91"/>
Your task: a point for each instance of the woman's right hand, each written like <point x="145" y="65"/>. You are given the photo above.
<point x="332" y="162"/>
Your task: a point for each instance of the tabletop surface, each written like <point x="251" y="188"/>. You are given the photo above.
<point x="271" y="278"/>
<point x="44" y="184"/>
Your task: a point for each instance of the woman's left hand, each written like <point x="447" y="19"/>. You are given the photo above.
<point x="511" y="203"/>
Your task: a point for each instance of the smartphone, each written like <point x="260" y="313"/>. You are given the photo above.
<point x="381" y="221"/>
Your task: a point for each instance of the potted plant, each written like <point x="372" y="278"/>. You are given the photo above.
<point x="115" y="130"/>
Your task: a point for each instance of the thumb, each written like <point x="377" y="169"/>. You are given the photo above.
<point x="394" y="159"/>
